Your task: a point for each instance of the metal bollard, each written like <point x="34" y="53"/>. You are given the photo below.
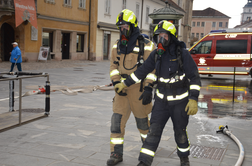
<point x="11" y="95"/>
<point x="47" y="99"/>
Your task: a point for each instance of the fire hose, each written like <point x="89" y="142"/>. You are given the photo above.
<point x="225" y="130"/>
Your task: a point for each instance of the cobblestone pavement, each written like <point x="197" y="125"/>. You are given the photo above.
<point x="77" y="131"/>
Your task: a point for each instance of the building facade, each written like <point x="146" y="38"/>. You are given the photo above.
<point x="246" y="16"/>
<point x="203" y="21"/>
<point x="107" y="32"/>
<point x="68" y="27"/>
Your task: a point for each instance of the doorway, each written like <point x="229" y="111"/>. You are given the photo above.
<point x="7" y="37"/>
<point x="106" y="45"/>
<point x="65" y="40"/>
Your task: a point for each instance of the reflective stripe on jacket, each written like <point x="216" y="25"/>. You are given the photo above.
<point x="168" y="72"/>
<point x="119" y="62"/>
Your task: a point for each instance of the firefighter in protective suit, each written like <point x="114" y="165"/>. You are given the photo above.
<point x="176" y="94"/>
<point x="128" y="53"/>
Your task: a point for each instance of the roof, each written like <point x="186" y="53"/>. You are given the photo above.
<point x="245" y="24"/>
<point x="249" y="4"/>
<point x="209" y="12"/>
<point x="173" y="4"/>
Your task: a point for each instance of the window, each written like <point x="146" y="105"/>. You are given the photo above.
<point x="214" y="24"/>
<point x="80" y="43"/>
<point x="220" y="24"/>
<point x="201" y="35"/>
<point x="197" y="35"/>
<point x="193" y="24"/>
<point x="192" y="35"/>
<point x="147" y="13"/>
<point x="137" y="9"/>
<point x="67" y="2"/>
<point x="203" y="47"/>
<point x="202" y="24"/>
<point x="107" y="7"/>
<point x="248" y="18"/>
<point x="179" y="2"/>
<point x="231" y="46"/>
<point x="226" y="24"/>
<point x="123" y="4"/>
<point x="198" y="24"/>
<point x="47" y="40"/>
<point x="82" y="4"/>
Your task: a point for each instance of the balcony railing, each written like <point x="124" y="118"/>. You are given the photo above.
<point x="6" y="4"/>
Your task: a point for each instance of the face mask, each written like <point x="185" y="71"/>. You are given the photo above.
<point x="125" y="34"/>
<point x="161" y="44"/>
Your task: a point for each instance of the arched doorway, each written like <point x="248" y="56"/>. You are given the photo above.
<point x="7" y="37"/>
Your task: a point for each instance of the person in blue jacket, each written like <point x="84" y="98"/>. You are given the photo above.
<point x="176" y="95"/>
<point x="16" y="57"/>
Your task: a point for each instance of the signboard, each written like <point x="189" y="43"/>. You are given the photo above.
<point x="25" y="10"/>
<point x="44" y="53"/>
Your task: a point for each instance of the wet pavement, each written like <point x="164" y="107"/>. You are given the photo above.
<point x="77" y="131"/>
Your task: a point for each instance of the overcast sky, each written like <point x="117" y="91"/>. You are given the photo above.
<point x="231" y="8"/>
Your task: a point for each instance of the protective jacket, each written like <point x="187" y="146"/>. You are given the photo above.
<point x="172" y="79"/>
<point x="122" y="63"/>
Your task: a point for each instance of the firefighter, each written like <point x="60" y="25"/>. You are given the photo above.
<point x="177" y="90"/>
<point x="128" y="53"/>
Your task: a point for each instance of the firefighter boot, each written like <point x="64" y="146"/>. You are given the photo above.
<point x="141" y="164"/>
<point x="114" y="159"/>
<point x="184" y="161"/>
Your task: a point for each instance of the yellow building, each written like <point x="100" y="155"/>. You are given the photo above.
<point x="68" y="27"/>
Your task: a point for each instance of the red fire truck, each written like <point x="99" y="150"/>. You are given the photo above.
<point x="223" y="52"/>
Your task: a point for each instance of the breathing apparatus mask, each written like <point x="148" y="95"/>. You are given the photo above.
<point x="125" y="32"/>
<point x="163" y="40"/>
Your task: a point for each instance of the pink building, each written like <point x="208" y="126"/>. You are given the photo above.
<point x="203" y="21"/>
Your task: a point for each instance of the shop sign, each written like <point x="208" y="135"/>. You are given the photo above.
<point x="25" y="10"/>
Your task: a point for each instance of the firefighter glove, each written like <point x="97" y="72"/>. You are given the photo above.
<point x="119" y="87"/>
<point x="191" y="107"/>
<point x="146" y="95"/>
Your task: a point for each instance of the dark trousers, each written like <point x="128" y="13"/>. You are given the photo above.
<point x="160" y="114"/>
<point x="18" y="66"/>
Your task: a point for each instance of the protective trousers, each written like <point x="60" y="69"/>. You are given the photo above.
<point x="122" y="107"/>
<point x="160" y="114"/>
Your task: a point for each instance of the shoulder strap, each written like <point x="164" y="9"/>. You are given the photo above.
<point x="118" y="49"/>
<point x="181" y="45"/>
<point x="179" y="56"/>
<point x="141" y="50"/>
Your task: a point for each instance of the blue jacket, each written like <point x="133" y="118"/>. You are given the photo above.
<point x="184" y="83"/>
<point x="16" y="53"/>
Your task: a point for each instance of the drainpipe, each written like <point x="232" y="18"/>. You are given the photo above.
<point x="89" y="56"/>
<point x="141" y="17"/>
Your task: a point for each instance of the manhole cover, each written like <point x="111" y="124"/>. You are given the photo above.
<point x="211" y="153"/>
<point x="34" y="110"/>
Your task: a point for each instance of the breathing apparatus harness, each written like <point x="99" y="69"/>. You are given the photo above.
<point x="140" y="59"/>
<point x="178" y="82"/>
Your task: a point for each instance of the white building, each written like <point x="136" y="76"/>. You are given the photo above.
<point x="107" y="32"/>
<point x="247" y="12"/>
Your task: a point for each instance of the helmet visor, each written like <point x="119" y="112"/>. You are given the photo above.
<point x="163" y="38"/>
<point x="125" y="30"/>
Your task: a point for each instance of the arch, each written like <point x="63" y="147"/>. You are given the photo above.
<point x="7" y="37"/>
